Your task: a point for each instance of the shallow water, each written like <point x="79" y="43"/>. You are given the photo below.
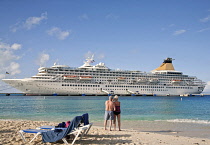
<point x="147" y="108"/>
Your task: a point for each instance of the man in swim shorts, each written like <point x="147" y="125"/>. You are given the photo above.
<point x="109" y="115"/>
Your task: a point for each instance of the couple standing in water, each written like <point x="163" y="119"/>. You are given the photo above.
<point x="112" y="112"/>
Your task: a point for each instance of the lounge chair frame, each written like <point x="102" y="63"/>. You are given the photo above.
<point x="38" y="132"/>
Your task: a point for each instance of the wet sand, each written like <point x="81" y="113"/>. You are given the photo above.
<point x="168" y="128"/>
<point x="133" y="132"/>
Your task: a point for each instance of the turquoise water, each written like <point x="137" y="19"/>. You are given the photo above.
<point x="62" y="108"/>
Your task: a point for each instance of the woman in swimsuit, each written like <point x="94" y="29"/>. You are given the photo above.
<point x="117" y="112"/>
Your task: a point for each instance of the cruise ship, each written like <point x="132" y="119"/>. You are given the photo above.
<point x="98" y="79"/>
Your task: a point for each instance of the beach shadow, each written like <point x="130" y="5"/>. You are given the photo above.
<point x="107" y="136"/>
<point x="100" y="139"/>
<point x="6" y="131"/>
<point x="105" y="139"/>
<point x="163" y="131"/>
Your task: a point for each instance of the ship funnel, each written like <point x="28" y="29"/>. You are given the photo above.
<point x="166" y="65"/>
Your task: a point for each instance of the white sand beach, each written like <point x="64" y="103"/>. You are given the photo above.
<point x="97" y="135"/>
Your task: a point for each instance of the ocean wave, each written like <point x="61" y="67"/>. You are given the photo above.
<point x="190" y="121"/>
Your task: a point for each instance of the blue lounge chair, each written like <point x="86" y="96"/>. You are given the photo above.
<point x="86" y="123"/>
<point x="85" y="120"/>
<point x="58" y="133"/>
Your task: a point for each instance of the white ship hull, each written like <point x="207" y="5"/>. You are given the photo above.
<point x="49" y="88"/>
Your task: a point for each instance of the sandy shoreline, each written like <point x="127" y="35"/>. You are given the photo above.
<point x="9" y="135"/>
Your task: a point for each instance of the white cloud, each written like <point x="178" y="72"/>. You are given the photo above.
<point x="57" y="32"/>
<point x="29" y="23"/>
<point x="168" y="27"/>
<point x="16" y="27"/>
<point x="172" y="25"/>
<point x="178" y="32"/>
<point x="202" y="30"/>
<point x="32" y="21"/>
<point x="83" y="17"/>
<point x="16" y="46"/>
<point x="89" y="54"/>
<point x="100" y="56"/>
<point x="8" y="58"/>
<point x="206" y="19"/>
<point x="4" y="46"/>
<point x="14" y="68"/>
<point x="42" y="59"/>
<point x="112" y="16"/>
<point x="2" y="76"/>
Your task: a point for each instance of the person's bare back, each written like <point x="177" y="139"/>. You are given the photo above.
<point x="109" y="105"/>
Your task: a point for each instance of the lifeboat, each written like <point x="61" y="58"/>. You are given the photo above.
<point x="176" y="81"/>
<point x="154" y="81"/>
<point x="70" y="77"/>
<point x="85" y="78"/>
<point x="142" y="80"/>
<point x="121" y="78"/>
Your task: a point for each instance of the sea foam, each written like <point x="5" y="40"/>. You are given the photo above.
<point x="190" y="121"/>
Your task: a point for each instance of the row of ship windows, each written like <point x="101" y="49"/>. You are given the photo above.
<point x="115" y="86"/>
<point x="108" y="89"/>
<point x="135" y="86"/>
<point x="80" y="85"/>
<point x="122" y="89"/>
<point x="109" y="72"/>
<point x="90" y="72"/>
<point x="179" y="87"/>
<point x="115" y="80"/>
<point x="140" y="89"/>
<point x="73" y="85"/>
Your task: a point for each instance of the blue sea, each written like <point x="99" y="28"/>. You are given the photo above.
<point x="146" y="108"/>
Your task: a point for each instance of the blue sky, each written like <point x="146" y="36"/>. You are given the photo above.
<point x="124" y="34"/>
